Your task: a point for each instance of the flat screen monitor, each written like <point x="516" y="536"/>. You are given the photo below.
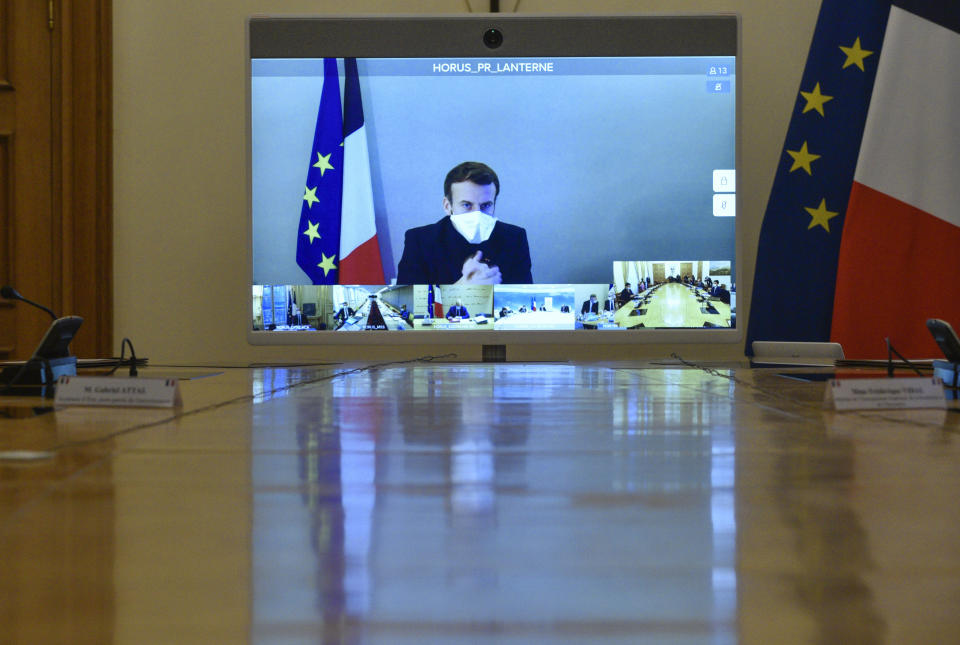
<point x="500" y="178"/>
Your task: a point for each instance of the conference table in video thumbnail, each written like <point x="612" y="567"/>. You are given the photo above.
<point x="673" y="305"/>
<point x="360" y="320"/>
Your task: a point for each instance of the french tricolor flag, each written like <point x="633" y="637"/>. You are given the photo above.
<point x="899" y="260"/>
<point x="434" y="301"/>
<point x="337" y="233"/>
<point x="359" y="248"/>
<point x="861" y="237"/>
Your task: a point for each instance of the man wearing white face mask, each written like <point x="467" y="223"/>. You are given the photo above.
<point x="470" y="245"/>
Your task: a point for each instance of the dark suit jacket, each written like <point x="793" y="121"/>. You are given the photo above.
<point x="458" y="311"/>
<point x="590" y="308"/>
<point x="434" y="254"/>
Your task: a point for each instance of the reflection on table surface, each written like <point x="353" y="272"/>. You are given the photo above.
<point x="450" y="497"/>
<point x="450" y="503"/>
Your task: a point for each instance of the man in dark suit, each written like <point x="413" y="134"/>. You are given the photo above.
<point x="591" y="306"/>
<point x="341" y="316"/>
<point x="722" y="293"/>
<point x="625" y="295"/>
<point x="469" y="245"/>
<point x="458" y="311"/>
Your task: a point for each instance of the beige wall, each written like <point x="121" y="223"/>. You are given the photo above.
<point x="180" y="223"/>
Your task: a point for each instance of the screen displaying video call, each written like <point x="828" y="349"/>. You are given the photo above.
<point x="428" y="194"/>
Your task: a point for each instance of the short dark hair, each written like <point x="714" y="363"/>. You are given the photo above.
<point x="479" y="173"/>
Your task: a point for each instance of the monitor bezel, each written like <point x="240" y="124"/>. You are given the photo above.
<point x="461" y="36"/>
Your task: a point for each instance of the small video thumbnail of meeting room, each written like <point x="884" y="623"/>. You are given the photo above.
<point x="287" y="307"/>
<point x="667" y="294"/>
<point x="372" y="308"/>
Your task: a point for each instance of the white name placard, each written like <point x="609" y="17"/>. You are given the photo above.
<point x="885" y="393"/>
<point x="119" y="392"/>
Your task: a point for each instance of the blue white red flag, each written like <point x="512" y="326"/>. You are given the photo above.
<point x="337" y="236"/>
<point x="862" y="230"/>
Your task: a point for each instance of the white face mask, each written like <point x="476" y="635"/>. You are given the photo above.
<point x="475" y="226"/>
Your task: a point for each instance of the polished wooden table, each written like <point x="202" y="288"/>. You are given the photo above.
<point x="471" y="503"/>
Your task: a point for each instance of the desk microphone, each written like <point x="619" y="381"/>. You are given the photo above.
<point x="49" y="361"/>
<point x="10" y="293"/>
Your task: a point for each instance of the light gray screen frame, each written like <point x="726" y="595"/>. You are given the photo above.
<point x="524" y="37"/>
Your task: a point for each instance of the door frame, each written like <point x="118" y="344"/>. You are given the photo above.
<point x="83" y="168"/>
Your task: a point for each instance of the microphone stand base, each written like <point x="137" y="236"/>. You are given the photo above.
<point x="947" y="371"/>
<point x="36" y="377"/>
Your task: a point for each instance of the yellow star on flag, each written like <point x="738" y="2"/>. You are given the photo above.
<point x="311" y="196"/>
<point x="327" y="265"/>
<point x="802" y="158"/>
<point x="815" y="100"/>
<point x="855" y="55"/>
<point x="311" y="231"/>
<point x="323" y="163"/>
<point x="821" y="216"/>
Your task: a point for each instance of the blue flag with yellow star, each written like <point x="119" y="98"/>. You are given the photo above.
<point x="318" y="236"/>
<point x="796" y="270"/>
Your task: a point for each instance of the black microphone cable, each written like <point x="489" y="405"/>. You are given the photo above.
<point x="123" y="361"/>
<point x="891" y="350"/>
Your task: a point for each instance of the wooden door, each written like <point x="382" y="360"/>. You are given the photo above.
<point x="55" y="170"/>
<point x="26" y="169"/>
<point x="659" y="272"/>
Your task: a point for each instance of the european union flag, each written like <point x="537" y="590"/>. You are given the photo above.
<point x="796" y="271"/>
<point x="318" y="237"/>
